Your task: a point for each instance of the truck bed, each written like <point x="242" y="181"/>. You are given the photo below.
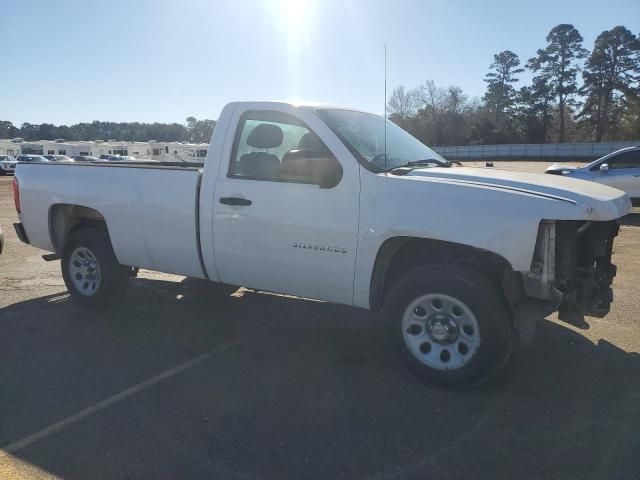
<point x="151" y="208"/>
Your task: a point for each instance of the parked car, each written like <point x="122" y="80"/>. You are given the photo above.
<point x="85" y="158"/>
<point x="105" y="157"/>
<point x="58" y="158"/>
<point x="120" y="158"/>
<point x="7" y="164"/>
<point x="458" y="260"/>
<point x="32" y="159"/>
<point x="620" y="169"/>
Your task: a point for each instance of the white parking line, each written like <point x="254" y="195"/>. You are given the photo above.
<point x="76" y="417"/>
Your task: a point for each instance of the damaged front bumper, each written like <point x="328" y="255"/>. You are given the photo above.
<point x="571" y="270"/>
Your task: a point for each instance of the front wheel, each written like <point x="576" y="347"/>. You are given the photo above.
<point x="91" y="271"/>
<point x="449" y="326"/>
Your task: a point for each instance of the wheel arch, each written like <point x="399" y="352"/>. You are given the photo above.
<point x="65" y="218"/>
<point x="400" y="254"/>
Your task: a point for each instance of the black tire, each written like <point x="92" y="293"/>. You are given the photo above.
<point x="114" y="278"/>
<point x="484" y="301"/>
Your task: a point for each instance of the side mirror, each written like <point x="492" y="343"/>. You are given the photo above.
<point x="329" y="172"/>
<point x="311" y="166"/>
<point x="604" y="167"/>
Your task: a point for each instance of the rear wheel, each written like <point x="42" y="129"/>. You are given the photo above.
<point x="91" y="271"/>
<point x="449" y="326"/>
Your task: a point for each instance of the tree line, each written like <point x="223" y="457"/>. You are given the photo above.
<point x="194" y="131"/>
<point x="574" y="95"/>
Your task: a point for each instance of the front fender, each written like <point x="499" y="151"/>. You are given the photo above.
<point x="499" y="221"/>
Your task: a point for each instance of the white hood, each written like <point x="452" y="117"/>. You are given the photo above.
<point x="590" y="196"/>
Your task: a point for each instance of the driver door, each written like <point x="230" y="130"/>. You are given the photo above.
<point x="274" y="229"/>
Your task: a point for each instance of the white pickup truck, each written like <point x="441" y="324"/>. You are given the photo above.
<point x="337" y="205"/>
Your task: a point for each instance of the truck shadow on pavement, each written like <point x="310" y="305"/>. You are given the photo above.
<point x="296" y="389"/>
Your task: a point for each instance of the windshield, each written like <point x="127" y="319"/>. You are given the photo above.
<point x="364" y="135"/>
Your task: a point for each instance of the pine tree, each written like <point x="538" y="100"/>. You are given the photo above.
<point x="500" y="96"/>
<point x="535" y="109"/>
<point x="558" y="62"/>
<point x="610" y="72"/>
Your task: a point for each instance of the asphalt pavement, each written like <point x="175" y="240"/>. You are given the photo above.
<point x="180" y="384"/>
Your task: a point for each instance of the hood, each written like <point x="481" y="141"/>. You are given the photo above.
<point x="599" y="202"/>
<point x="561" y="167"/>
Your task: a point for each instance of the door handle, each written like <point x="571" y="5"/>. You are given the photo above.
<point x="235" y="201"/>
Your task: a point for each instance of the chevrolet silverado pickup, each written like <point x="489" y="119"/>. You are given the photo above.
<point x="339" y="205"/>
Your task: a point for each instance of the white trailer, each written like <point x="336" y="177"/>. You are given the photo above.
<point x="178" y="151"/>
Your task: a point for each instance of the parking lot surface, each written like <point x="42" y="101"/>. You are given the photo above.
<point x="181" y="384"/>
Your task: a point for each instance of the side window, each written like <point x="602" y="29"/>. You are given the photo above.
<point x="275" y="146"/>
<point x="625" y="160"/>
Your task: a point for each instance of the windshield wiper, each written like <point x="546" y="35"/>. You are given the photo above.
<point x="407" y="167"/>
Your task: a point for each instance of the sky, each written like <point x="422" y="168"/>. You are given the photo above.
<point x="70" y="61"/>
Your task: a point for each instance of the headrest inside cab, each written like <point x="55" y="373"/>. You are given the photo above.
<point x="265" y="135"/>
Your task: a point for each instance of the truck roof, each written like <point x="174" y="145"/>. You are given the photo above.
<point x="310" y="105"/>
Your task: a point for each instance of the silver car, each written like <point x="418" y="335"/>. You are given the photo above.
<point x="58" y="158"/>
<point x="32" y="159"/>
<point x="620" y="169"/>
<point x="7" y="164"/>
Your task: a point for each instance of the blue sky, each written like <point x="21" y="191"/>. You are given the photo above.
<point x="68" y="61"/>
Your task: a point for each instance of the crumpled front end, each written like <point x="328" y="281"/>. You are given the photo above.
<point x="571" y="270"/>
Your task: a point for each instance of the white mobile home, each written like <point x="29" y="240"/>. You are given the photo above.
<point x="132" y="149"/>
<point x="31" y="148"/>
<point x="178" y="152"/>
<point x="54" y="147"/>
<point x="162" y="151"/>
<point x="7" y="147"/>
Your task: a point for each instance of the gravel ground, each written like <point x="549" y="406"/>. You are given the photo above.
<point x="178" y="384"/>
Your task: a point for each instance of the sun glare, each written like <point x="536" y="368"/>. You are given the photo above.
<point x="294" y="9"/>
<point x="296" y="21"/>
<point x="296" y="18"/>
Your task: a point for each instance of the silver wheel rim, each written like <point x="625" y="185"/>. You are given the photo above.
<point x="84" y="271"/>
<point x="440" y="331"/>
